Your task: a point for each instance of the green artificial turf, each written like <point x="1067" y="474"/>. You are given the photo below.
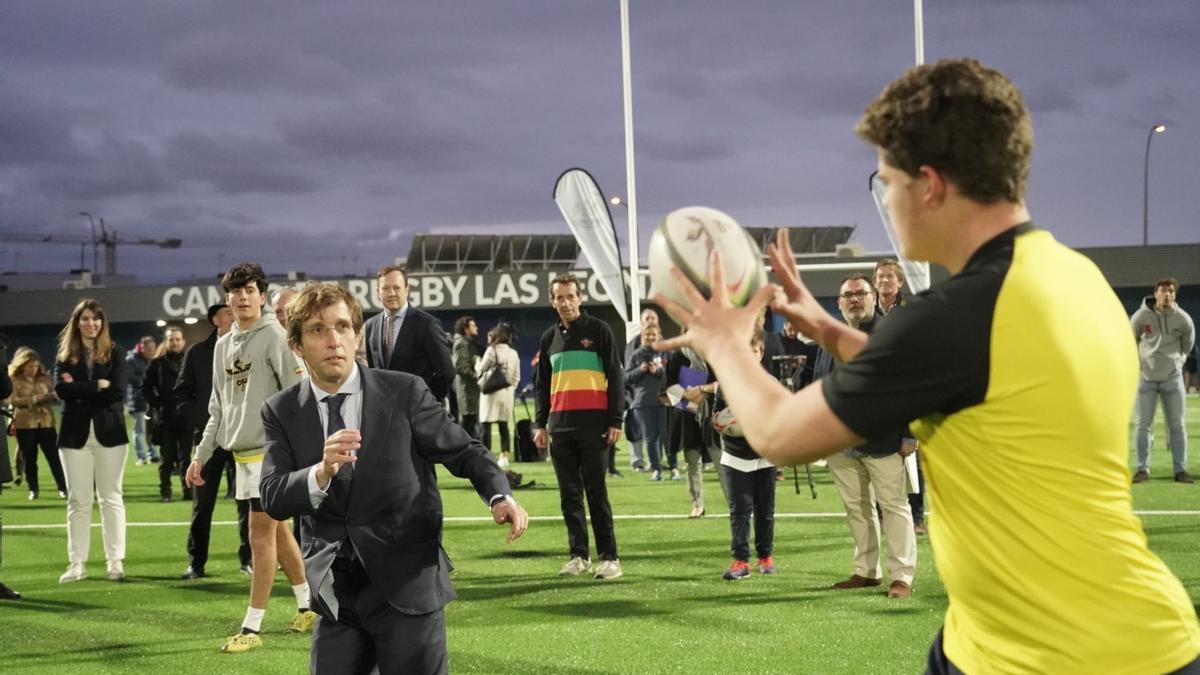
<point x="671" y="612"/>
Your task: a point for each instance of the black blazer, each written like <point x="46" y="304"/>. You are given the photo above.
<point x="194" y="386"/>
<point x="85" y="405"/>
<point x="392" y="515"/>
<point x="422" y="349"/>
<point x="6" y="387"/>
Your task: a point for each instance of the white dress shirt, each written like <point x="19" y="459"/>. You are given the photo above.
<point x="351" y="415"/>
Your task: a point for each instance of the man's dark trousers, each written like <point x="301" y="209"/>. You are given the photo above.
<point x="202" y="511"/>
<point x="581" y="463"/>
<point x="371" y="632"/>
<point x="175" y="447"/>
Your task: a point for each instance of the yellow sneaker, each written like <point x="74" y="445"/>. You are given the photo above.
<point x="242" y="642"/>
<point x="303" y="622"/>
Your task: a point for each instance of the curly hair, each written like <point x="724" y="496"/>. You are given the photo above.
<point x="460" y="326"/>
<point x="965" y="120"/>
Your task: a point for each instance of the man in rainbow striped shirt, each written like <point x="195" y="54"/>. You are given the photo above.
<point x="580" y="400"/>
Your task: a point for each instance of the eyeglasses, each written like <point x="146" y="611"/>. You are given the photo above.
<point x="344" y="329"/>
<point x="850" y="295"/>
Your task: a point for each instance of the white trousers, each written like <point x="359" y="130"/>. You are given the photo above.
<point x="861" y="482"/>
<point x="95" y="470"/>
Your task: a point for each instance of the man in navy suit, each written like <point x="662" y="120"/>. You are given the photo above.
<point x="406" y="339"/>
<point x="371" y="533"/>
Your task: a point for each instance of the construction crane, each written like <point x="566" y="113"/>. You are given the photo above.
<point x="107" y="238"/>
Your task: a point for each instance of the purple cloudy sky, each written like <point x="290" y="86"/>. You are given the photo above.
<point x="316" y="135"/>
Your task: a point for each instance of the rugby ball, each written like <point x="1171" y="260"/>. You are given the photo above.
<point x="684" y="240"/>
<point x="725" y="424"/>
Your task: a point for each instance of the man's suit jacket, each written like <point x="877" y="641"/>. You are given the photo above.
<point x="392" y="514"/>
<point x="422" y="348"/>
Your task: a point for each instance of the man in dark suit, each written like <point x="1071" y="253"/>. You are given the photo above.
<point x="192" y="391"/>
<point x="371" y="534"/>
<point x="406" y="339"/>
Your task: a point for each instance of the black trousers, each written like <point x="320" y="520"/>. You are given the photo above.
<point x="369" y="632"/>
<point x="917" y="501"/>
<point x="580" y="464"/>
<point x="471" y="424"/>
<point x="28" y="441"/>
<point x="204" y="501"/>
<point x="175" y="448"/>
<point x="505" y="439"/>
<point x="752" y="493"/>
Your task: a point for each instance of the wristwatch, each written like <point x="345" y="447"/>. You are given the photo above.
<point x="500" y="499"/>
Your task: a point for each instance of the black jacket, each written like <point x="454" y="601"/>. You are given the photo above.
<point x="6" y="387"/>
<point x="158" y="387"/>
<point x="422" y="349"/>
<point x="391" y="510"/>
<point x="194" y="386"/>
<point x="86" y="407"/>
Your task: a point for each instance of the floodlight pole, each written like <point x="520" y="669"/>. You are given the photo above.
<point x="919" y="31"/>
<point x="635" y="285"/>
<point x="1158" y="128"/>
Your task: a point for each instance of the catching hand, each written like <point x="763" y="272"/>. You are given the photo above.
<point x="507" y="511"/>
<point x="794" y="301"/>
<point x="340" y="448"/>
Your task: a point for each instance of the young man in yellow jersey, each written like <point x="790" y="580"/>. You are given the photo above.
<point x="1019" y="393"/>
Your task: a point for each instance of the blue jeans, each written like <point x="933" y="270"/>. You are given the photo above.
<point x="141" y="444"/>
<point x="653" y="422"/>
<point x="1171" y="392"/>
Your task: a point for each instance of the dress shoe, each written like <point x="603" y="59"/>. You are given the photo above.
<point x="856" y="581"/>
<point x="1183" y="477"/>
<point x="1141" y="476"/>
<point x="192" y="573"/>
<point x="900" y="590"/>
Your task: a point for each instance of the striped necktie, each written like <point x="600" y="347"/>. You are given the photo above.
<point x="389" y="338"/>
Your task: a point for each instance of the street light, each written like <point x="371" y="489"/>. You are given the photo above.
<point x="616" y="200"/>
<point x="1158" y="128"/>
<point x="92" y="222"/>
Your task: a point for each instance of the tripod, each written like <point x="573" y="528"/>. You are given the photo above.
<point x="787" y="368"/>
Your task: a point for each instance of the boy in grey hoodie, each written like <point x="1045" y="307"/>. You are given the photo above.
<point x="251" y="363"/>
<point x="1165" y="335"/>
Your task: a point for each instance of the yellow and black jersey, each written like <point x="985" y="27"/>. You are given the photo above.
<point x="1020" y="374"/>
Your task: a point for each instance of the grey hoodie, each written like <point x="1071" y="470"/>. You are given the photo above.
<point x="1164" y="340"/>
<point x="248" y="368"/>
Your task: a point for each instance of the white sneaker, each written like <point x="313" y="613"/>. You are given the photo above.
<point x="116" y="570"/>
<point x="609" y="570"/>
<point x="503" y="461"/>
<point x="75" y="572"/>
<point x="140" y="462"/>
<point x="575" y="566"/>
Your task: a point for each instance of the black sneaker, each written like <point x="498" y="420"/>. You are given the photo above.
<point x="192" y="573"/>
<point x="7" y="593"/>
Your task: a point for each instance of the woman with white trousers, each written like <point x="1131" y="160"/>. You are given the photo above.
<point x="90" y="379"/>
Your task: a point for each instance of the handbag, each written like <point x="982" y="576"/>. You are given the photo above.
<point x="494" y="380"/>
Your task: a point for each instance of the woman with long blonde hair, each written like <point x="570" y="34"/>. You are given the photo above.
<point x="90" y="378"/>
<point x="32" y="400"/>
